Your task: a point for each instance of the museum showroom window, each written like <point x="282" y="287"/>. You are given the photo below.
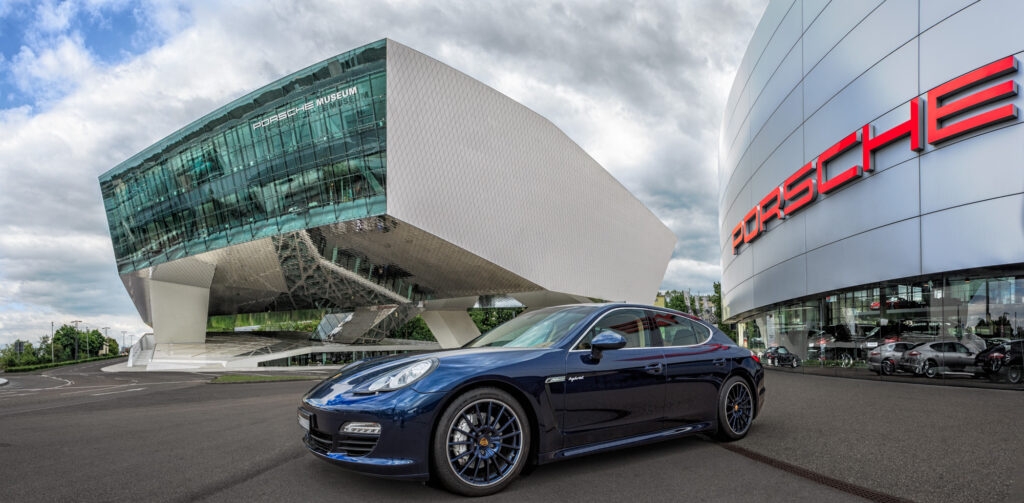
<point x="308" y="150"/>
<point x="836" y="334"/>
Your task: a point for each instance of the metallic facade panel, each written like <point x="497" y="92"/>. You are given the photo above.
<point x="934" y="11"/>
<point x="786" y="159"/>
<point x="782" y="242"/>
<point x="979" y="168"/>
<point x="888" y="83"/>
<point x="478" y="170"/>
<point x="981" y="234"/>
<point x="873" y="201"/>
<point x="979" y="34"/>
<point x="812" y="9"/>
<point x="785" y="78"/>
<point x="833" y="23"/>
<point x="781" y="282"/>
<point x="883" y="31"/>
<point x="893" y="251"/>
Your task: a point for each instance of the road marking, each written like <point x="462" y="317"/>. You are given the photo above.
<point x="122" y="391"/>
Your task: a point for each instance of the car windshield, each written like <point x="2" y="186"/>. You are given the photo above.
<point x="534" y="329"/>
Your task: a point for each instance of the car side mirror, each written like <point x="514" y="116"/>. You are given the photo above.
<point x="604" y="341"/>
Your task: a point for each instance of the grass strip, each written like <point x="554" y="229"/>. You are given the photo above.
<point x="248" y="378"/>
<point x="29" y="368"/>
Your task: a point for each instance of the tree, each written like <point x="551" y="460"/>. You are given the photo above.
<point x="675" y="299"/>
<point x="487" y="318"/>
<point x="415" y="329"/>
<point x="716" y="303"/>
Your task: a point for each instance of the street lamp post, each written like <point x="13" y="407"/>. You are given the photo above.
<point x="122" y="338"/>
<point x="76" y="322"/>
<point x="87" y="342"/>
<point x="106" y="335"/>
<point x="51" y="342"/>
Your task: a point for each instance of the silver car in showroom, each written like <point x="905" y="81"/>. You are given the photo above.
<point x="933" y="358"/>
<point x="883" y="359"/>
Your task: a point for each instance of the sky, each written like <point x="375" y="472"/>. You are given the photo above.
<point x="85" y="84"/>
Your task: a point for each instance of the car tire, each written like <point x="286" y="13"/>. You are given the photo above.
<point x="887" y="368"/>
<point x="737" y="397"/>
<point x="1013" y="374"/>
<point x="483" y="429"/>
<point x="930" y="370"/>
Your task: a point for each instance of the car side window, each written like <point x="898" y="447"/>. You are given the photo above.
<point x="631" y="324"/>
<point x="677" y="330"/>
<point x="960" y="348"/>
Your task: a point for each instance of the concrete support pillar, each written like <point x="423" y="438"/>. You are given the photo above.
<point x="449" y="321"/>
<point x="452" y="329"/>
<point x="179" y="312"/>
<point x="179" y="299"/>
<point x="544" y="298"/>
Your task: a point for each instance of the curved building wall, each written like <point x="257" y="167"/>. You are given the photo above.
<point x="816" y="72"/>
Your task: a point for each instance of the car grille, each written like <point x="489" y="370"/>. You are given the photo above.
<point x="357" y="445"/>
<point x="319" y="442"/>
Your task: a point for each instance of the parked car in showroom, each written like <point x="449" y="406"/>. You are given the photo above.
<point x="548" y="385"/>
<point x="1003" y="360"/>
<point x="780" y="356"/>
<point x="883" y="360"/>
<point x="933" y="358"/>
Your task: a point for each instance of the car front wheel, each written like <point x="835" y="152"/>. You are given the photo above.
<point x="735" y="409"/>
<point x="481" y="442"/>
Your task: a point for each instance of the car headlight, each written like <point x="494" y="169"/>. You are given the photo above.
<point x="400" y="377"/>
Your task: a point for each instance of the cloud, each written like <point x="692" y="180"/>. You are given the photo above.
<point x="640" y="86"/>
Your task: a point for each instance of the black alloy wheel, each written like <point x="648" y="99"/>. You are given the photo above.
<point x="1013" y="374"/>
<point x="735" y="410"/>
<point x="481" y="442"/>
<point x="888" y="367"/>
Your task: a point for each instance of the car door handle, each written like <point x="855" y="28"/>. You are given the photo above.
<point x="654" y="368"/>
<point x="719" y="362"/>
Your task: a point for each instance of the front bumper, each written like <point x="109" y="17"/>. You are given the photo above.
<point x="401" y="450"/>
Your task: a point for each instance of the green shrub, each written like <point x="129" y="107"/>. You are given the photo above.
<point x="30" y="368"/>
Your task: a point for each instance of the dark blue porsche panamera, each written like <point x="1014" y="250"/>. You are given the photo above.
<point x="550" y="384"/>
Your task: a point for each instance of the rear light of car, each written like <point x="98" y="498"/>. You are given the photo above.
<point x="754" y="356"/>
<point x="875" y="353"/>
<point x="996" y="355"/>
<point x="914" y="353"/>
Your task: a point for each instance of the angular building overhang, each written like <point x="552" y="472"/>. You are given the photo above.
<point x="378" y="177"/>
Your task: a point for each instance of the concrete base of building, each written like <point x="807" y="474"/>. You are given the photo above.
<point x="247" y="352"/>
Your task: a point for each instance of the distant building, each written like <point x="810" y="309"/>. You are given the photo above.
<point x="375" y="185"/>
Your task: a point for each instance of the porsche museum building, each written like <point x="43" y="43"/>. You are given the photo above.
<point x="374" y="186"/>
<point x="871" y="174"/>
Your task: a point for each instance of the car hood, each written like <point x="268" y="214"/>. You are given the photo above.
<point x="458" y="364"/>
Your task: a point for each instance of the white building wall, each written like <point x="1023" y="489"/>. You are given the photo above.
<point x="479" y="170"/>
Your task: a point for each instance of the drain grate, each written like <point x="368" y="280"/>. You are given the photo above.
<point x="825" y="480"/>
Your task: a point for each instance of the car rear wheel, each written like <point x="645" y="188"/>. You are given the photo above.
<point x="735" y="409"/>
<point x="481" y="442"/>
<point x="795" y="362"/>
<point x="888" y="367"/>
<point x="1013" y="374"/>
<point x="930" y="369"/>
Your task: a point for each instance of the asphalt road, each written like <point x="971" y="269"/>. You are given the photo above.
<point x="77" y="434"/>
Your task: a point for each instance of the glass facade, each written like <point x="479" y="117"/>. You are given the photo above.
<point x="964" y="326"/>
<point x="305" y="151"/>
